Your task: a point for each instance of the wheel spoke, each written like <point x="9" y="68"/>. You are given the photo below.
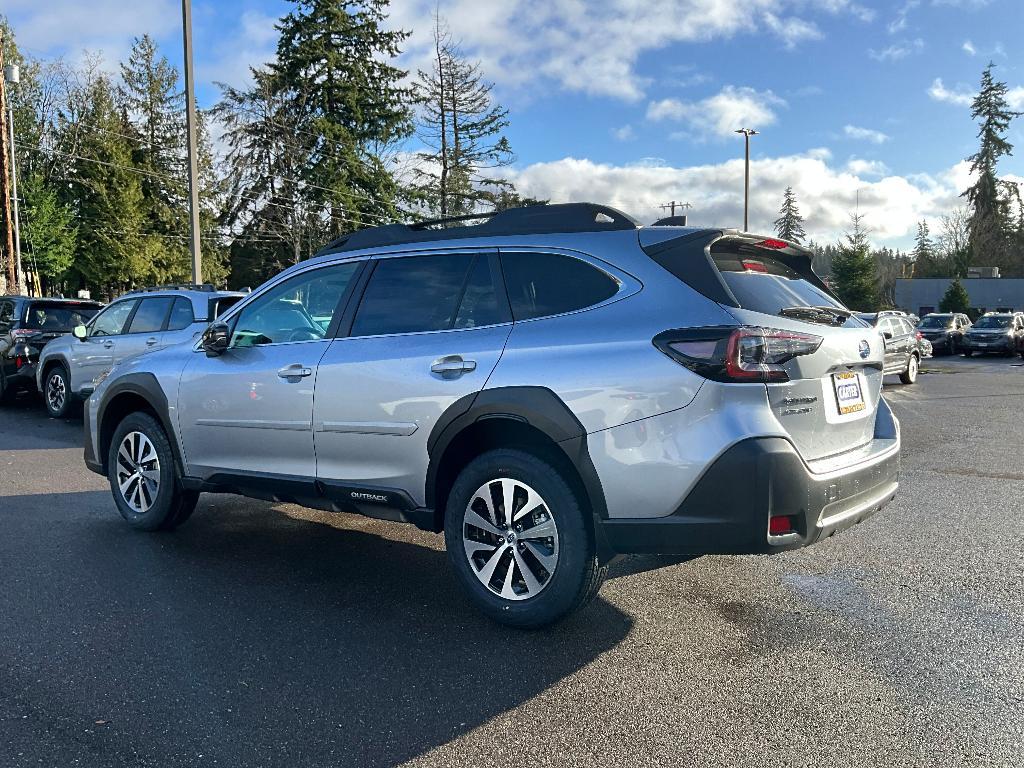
<point x="548" y="561"/>
<point x="506" y="587"/>
<point x="485" y="573"/>
<point x="472" y="546"/>
<point x="124" y="484"/>
<point x="138" y="472"/>
<point x="123" y="453"/>
<point x="508" y="494"/>
<point x="473" y="519"/>
<point x="151" y="475"/>
<point x="540" y="531"/>
<point x="532" y="502"/>
<point x="532" y="585"/>
<point x="484" y="494"/>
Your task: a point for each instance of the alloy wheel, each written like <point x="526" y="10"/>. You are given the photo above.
<point x="138" y="472"/>
<point x="56" y="392"/>
<point x="912" y="369"/>
<point x="510" y="538"/>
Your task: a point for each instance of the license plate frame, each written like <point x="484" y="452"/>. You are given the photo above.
<point x="849" y="392"/>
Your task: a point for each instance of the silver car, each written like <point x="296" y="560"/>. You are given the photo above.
<point x="551" y="388"/>
<point x="139" y="321"/>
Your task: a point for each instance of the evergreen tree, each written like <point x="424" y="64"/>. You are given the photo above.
<point x="990" y="224"/>
<point x="48" y="230"/>
<point x="853" y="269"/>
<point x="955" y="299"/>
<point x="461" y="128"/>
<point x="927" y="260"/>
<point x="790" y="224"/>
<point x="334" y="75"/>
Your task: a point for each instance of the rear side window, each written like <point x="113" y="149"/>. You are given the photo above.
<point x="6" y="316"/>
<point x="763" y="283"/>
<point x="413" y="294"/>
<point x="542" y="284"/>
<point x="150" y="316"/>
<point x="181" y="315"/>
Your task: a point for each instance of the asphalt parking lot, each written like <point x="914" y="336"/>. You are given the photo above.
<point x="268" y="635"/>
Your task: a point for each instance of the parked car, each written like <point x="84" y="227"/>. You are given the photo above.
<point x="904" y="348"/>
<point x="550" y="388"/>
<point x="1000" y="332"/>
<point x="945" y="330"/>
<point x="27" y="325"/>
<point x="140" y="321"/>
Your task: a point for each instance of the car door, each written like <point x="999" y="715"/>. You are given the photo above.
<point x="247" y="413"/>
<point x="105" y="333"/>
<point x="429" y="329"/>
<point x="885" y="326"/>
<point x="145" y="330"/>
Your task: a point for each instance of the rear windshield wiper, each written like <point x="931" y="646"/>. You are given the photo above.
<point x="823" y="315"/>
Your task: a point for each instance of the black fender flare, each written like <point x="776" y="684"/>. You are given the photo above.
<point x="147" y="387"/>
<point x="538" y="407"/>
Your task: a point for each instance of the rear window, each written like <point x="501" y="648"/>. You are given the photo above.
<point x="58" y="317"/>
<point x="219" y="306"/>
<point x="763" y="283"/>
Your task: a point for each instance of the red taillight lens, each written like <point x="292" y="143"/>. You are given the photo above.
<point x="731" y="354"/>
<point x="773" y="244"/>
<point x="18" y="362"/>
<point x="781" y="525"/>
<point x="919" y="335"/>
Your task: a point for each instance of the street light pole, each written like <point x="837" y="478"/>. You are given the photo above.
<point x="193" y="160"/>
<point x="12" y="75"/>
<point x="747" y="133"/>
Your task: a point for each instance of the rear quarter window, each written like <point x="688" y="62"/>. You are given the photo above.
<point x="543" y="284"/>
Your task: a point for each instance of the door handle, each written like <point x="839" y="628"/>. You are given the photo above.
<point x="150" y="342"/>
<point x="294" y="371"/>
<point x="108" y="344"/>
<point x="452" y="366"/>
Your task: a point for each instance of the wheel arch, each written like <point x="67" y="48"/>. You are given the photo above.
<point x="530" y="418"/>
<point x="137" y="392"/>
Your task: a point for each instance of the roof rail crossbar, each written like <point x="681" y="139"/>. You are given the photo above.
<point x="528" y="220"/>
<point x="205" y="287"/>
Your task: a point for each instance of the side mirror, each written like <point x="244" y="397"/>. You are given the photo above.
<point x="216" y="338"/>
<point x="80" y="332"/>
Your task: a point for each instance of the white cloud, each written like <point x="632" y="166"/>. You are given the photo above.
<point x="827" y="194"/>
<point x="900" y="20"/>
<point x="721" y="114"/>
<point x="960" y="96"/>
<point x="251" y="44"/>
<point x="625" y="133"/>
<point x="1015" y="98"/>
<point x="968" y="48"/>
<point x="897" y="51"/>
<point x="865" y="134"/>
<point x="593" y="47"/>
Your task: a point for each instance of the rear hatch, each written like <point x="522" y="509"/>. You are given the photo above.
<point x="46" y="320"/>
<point x="826" y="395"/>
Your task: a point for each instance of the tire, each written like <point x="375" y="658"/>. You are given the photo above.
<point x="909" y="376"/>
<point x="6" y="394"/>
<point x="576" y="574"/>
<point x="952" y="347"/>
<point x="154" y="500"/>
<point x="57" y="396"/>
<point x="968" y="353"/>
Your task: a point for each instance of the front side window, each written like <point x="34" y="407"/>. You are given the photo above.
<point x="542" y="284"/>
<point x="415" y="294"/>
<point x="110" y="322"/>
<point x="150" y="316"/>
<point x="298" y="309"/>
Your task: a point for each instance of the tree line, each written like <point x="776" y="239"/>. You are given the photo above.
<point x="988" y="231"/>
<point x="315" y="146"/>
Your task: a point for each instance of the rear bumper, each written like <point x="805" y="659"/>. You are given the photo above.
<point x="728" y="509"/>
<point x="23" y="377"/>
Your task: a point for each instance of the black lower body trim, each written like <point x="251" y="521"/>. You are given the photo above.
<point x="727" y="511"/>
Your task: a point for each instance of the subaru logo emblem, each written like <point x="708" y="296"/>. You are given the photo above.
<point x="865" y="349"/>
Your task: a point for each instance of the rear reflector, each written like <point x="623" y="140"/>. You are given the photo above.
<point x="781" y="525"/>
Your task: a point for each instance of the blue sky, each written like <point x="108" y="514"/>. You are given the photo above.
<point x="633" y="103"/>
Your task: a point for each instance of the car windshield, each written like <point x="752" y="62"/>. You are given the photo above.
<point x="993" y="322"/>
<point x="58" y="317"/>
<point x="936" y="322"/>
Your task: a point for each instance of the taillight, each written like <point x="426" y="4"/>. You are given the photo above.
<point x="731" y="354"/>
<point x="773" y="244"/>
<point x="919" y="335"/>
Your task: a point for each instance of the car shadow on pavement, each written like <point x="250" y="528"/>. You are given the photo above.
<point x="262" y="635"/>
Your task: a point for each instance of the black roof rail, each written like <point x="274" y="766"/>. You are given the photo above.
<point x="529" y="220"/>
<point x="205" y="287"/>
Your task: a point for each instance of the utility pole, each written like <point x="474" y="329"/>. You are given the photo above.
<point x="5" y="191"/>
<point x="193" y="160"/>
<point x="671" y="207"/>
<point x="747" y="133"/>
<point x="12" y="76"/>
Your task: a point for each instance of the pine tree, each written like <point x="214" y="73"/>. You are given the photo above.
<point x="461" y="127"/>
<point x="853" y="269"/>
<point x="990" y="224"/>
<point x="927" y="261"/>
<point x="790" y="224"/>
<point x="334" y="75"/>
<point x="955" y="299"/>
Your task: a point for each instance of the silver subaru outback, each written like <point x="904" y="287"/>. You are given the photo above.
<point x="550" y="388"/>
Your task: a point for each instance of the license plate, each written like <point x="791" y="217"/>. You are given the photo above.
<point x="848" y="393"/>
